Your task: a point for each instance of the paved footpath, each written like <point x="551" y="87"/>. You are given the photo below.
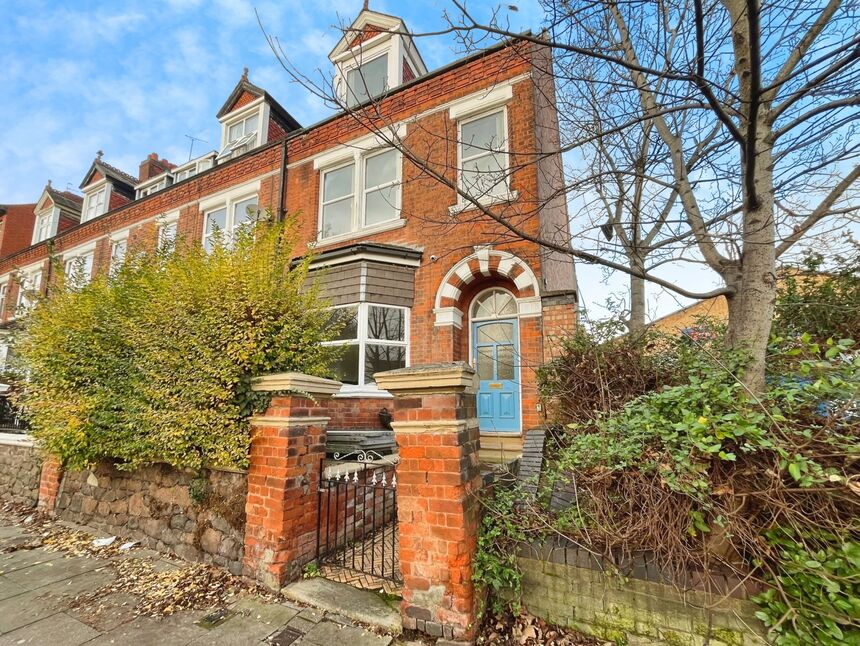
<point x="37" y="589"/>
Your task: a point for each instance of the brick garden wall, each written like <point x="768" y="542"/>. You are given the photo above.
<point x="156" y="506"/>
<point x="20" y="467"/>
<point x="568" y="586"/>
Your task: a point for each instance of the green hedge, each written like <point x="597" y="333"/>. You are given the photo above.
<point x="154" y="362"/>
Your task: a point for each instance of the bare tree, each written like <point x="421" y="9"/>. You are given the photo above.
<point x="741" y="115"/>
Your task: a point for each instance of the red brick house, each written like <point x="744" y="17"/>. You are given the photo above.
<point x="419" y="274"/>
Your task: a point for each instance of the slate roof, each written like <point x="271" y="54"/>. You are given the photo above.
<point x="108" y="171"/>
<point x="244" y="85"/>
<point x="65" y="199"/>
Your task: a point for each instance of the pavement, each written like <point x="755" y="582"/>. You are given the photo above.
<point x="52" y="598"/>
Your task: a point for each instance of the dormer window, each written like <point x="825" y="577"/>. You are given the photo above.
<point x="376" y="55"/>
<point x="241" y="136"/>
<point x="192" y="168"/>
<point x="46" y="225"/>
<point x="149" y="189"/>
<point x="367" y="81"/>
<point x="95" y="203"/>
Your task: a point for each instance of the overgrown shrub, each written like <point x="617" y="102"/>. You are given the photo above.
<point x="706" y="476"/>
<point x="821" y="299"/>
<point x="599" y="371"/>
<point x="154" y="362"/>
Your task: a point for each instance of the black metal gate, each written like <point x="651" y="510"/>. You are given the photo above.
<point x="357" y="524"/>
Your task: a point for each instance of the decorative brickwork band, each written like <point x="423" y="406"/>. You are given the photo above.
<point x="438" y="475"/>
<point x="49" y="484"/>
<point x="287" y="444"/>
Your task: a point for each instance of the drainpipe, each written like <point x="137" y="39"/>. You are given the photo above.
<point x="282" y="189"/>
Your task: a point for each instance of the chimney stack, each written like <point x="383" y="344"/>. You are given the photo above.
<point x="152" y="166"/>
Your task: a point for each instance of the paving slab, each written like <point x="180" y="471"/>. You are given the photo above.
<point x="48" y="572"/>
<point x="328" y="633"/>
<point x="275" y="614"/>
<point x="9" y="589"/>
<point x="23" y="559"/>
<point x="108" y="613"/>
<point x="238" y="629"/>
<point x="176" y="630"/>
<point x="25" y="609"/>
<point x="359" y="605"/>
<point x="57" y="629"/>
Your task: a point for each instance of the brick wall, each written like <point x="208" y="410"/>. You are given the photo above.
<point x="568" y="586"/>
<point x="20" y="467"/>
<point x="155" y="506"/>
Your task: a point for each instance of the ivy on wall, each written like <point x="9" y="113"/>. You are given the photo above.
<point x="154" y="362"/>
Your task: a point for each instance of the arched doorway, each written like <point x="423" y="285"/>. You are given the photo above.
<point x="494" y="335"/>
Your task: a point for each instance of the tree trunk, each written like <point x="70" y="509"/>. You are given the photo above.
<point x="751" y="307"/>
<point x="636" y="322"/>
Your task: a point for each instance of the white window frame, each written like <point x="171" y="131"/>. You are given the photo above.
<point x="505" y="194"/>
<point x="358" y="158"/>
<point x="90" y="193"/>
<point x="240" y="146"/>
<point x="164" y="181"/>
<point x="360" y="60"/>
<point x="121" y="237"/>
<point x="229" y="204"/>
<point x="364" y="388"/>
<point x="30" y="280"/>
<point x="75" y="255"/>
<point x="4" y="294"/>
<point x="192" y="168"/>
<point x="52" y="217"/>
<point x="165" y="222"/>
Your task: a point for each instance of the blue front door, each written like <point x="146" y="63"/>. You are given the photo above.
<point x="495" y="359"/>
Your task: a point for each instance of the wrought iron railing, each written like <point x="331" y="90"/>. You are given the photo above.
<point x="11" y="420"/>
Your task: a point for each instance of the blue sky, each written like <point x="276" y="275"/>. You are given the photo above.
<point x="131" y="78"/>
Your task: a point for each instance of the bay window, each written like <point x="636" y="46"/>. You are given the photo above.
<point x="374" y="338"/>
<point x="362" y="193"/>
<point x="483" y="156"/>
<point x="223" y="223"/>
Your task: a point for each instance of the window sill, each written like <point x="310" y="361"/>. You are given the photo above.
<point x="369" y="391"/>
<point x="487" y="200"/>
<point x="361" y="233"/>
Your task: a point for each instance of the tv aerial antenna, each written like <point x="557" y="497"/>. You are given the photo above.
<point x="191" y="147"/>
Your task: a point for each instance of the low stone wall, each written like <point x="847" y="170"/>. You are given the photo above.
<point x="633" y="611"/>
<point x="20" y="467"/>
<point x="164" y="509"/>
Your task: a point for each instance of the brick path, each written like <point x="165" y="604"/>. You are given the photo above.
<point x="361" y="565"/>
<point x="37" y="588"/>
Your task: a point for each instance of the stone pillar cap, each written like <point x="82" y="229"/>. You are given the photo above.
<point x="295" y="382"/>
<point x="457" y="376"/>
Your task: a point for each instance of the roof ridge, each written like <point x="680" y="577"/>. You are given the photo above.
<point x="132" y="180"/>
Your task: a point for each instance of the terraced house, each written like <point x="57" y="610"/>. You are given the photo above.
<point x="417" y="270"/>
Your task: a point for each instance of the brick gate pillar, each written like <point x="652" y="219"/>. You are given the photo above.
<point x="49" y="484"/>
<point x="438" y="477"/>
<point x="288" y="443"/>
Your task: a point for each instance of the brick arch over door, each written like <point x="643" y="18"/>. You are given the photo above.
<point x="450" y="307"/>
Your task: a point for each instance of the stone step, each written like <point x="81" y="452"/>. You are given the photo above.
<point x="363" y="606"/>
